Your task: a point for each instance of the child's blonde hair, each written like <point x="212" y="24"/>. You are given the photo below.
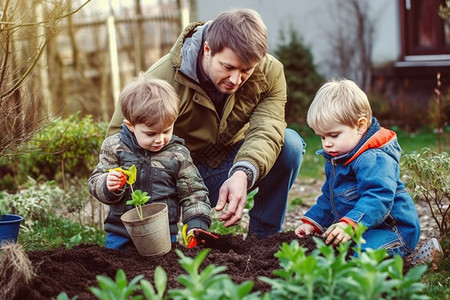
<point x="149" y="101"/>
<point x="339" y="101"/>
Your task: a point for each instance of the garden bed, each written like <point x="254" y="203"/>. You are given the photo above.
<point x="74" y="270"/>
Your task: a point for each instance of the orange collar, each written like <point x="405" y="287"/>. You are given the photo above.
<point x="380" y="138"/>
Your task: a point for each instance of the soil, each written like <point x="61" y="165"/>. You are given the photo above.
<point x="74" y="270"/>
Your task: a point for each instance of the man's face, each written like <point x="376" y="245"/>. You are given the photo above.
<point x="226" y="71"/>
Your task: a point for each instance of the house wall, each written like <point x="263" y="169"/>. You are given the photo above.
<point x="312" y="20"/>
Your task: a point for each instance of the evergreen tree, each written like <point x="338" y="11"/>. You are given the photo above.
<point x="301" y="76"/>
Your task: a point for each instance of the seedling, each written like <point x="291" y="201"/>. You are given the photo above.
<point x="138" y="198"/>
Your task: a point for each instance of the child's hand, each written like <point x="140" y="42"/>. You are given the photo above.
<point x="115" y="180"/>
<point x="336" y="234"/>
<point x="304" y="229"/>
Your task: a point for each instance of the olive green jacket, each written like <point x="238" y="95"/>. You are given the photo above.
<point x="255" y="113"/>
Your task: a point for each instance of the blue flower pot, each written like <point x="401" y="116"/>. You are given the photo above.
<point x="9" y="228"/>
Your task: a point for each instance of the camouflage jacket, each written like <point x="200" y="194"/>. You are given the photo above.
<point x="168" y="176"/>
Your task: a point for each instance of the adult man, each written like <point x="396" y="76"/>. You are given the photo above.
<point x="233" y="95"/>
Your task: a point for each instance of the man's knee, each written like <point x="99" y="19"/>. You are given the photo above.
<point x="293" y="148"/>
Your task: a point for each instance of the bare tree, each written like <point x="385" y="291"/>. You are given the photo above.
<point x="22" y="44"/>
<point x="351" y="40"/>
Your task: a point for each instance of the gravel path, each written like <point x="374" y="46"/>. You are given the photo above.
<point x="309" y="189"/>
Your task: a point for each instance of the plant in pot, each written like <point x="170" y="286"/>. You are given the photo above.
<point x="9" y="223"/>
<point x="147" y="224"/>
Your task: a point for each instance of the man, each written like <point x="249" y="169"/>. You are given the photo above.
<point x="233" y="95"/>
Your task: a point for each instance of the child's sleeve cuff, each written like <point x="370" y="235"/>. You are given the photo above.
<point x="348" y="221"/>
<point x="316" y="228"/>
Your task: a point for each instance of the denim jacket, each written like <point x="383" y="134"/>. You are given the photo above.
<point x="364" y="186"/>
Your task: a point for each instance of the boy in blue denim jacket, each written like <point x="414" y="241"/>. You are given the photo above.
<point x="362" y="174"/>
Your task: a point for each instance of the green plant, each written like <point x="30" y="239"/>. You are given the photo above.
<point x="4" y="207"/>
<point x="160" y="279"/>
<point x="301" y="76"/>
<point x="64" y="148"/>
<point x="119" y="289"/>
<point x="241" y="228"/>
<point x="326" y="275"/>
<point x="428" y="177"/>
<point x="138" y="198"/>
<point x="64" y="296"/>
<point x="54" y="232"/>
<point x="35" y="201"/>
<point x="209" y="283"/>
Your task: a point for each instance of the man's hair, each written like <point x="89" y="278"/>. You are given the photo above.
<point x="339" y="101"/>
<point x="242" y="31"/>
<point x="148" y="101"/>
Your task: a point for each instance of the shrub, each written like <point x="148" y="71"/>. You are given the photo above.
<point x="429" y="179"/>
<point x="65" y="148"/>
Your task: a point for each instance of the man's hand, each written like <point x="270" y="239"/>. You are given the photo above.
<point x="234" y="192"/>
<point x="336" y="234"/>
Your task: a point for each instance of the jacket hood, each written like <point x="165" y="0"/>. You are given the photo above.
<point x="187" y="48"/>
<point x="129" y="139"/>
<point x="376" y="137"/>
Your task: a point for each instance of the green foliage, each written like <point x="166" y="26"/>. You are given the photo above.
<point x="218" y="227"/>
<point x="429" y="179"/>
<point x="302" y="78"/>
<point x="209" y="283"/>
<point x="160" y="285"/>
<point x="119" y="289"/>
<point x="4" y="207"/>
<point x="63" y="149"/>
<point x="56" y="232"/>
<point x="35" y="201"/>
<point x="64" y="296"/>
<point x="139" y="198"/>
<point x="326" y="275"/>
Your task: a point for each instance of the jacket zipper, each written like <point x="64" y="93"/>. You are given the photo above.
<point x="333" y="203"/>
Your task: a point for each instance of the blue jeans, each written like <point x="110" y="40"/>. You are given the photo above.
<point x="267" y="214"/>
<point x="384" y="238"/>
<point x="117" y="241"/>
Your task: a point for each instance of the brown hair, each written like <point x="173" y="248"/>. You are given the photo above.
<point x="148" y="101"/>
<point x="242" y="31"/>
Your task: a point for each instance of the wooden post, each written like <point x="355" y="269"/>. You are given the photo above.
<point x="115" y="75"/>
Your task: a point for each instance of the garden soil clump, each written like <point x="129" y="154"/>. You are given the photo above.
<point x="74" y="270"/>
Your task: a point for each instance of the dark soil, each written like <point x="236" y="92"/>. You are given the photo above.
<point x="74" y="270"/>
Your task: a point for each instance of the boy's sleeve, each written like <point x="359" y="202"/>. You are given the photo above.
<point x="97" y="182"/>
<point x="193" y="195"/>
<point x="320" y="215"/>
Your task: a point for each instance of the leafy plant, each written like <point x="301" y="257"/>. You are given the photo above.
<point x="64" y="148"/>
<point x="327" y="274"/>
<point x="209" y="283"/>
<point x="138" y="198"/>
<point x="429" y="179"/>
<point x="160" y="279"/>
<point x="119" y="289"/>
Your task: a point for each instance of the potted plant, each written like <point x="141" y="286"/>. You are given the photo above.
<point x="9" y="223"/>
<point x="147" y="224"/>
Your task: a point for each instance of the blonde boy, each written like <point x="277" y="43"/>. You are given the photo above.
<point x="362" y="174"/>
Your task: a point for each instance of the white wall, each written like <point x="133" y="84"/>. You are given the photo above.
<point x="311" y="19"/>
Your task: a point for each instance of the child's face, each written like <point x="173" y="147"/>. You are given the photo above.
<point x="152" y="138"/>
<point x="339" y="139"/>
